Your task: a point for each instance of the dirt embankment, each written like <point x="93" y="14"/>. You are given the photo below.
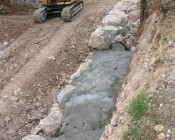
<point x="17" y="6"/>
<point x="152" y="70"/>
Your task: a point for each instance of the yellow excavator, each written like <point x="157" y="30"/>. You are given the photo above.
<point x="69" y="9"/>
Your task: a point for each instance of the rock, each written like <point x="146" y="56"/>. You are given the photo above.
<point x="158" y="128"/>
<point x="108" y="130"/>
<point x="37" y="104"/>
<point x="133" y="8"/>
<point x="161" y="105"/>
<point x="133" y="49"/>
<point x="113" y="31"/>
<point x="5" y="43"/>
<point x="65" y="92"/>
<point x="52" y="58"/>
<point x="123" y="6"/>
<point x="113" y="28"/>
<point x="98" y="41"/>
<point x="168" y="135"/>
<point x="43" y="110"/>
<point x="16" y="91"/>
<point x="36" y="130"/>
<point x="7" y="118"/>
<point x="117" y="47"/>
<point x="118" y="38"/>
<point x="114" y="120"/>
<point x="52" y="123"/>
<point x="4" y="55"/>
<point x="169" y="131"/>
<point x="161" y="136"/>
<point x="33" y="137"/>
<point x="36" y="41"/>
<point x="115" y="11"/>
<point x="120" y="19"/>
<point x="103" y="37"/>
<point x="15" y="99"/>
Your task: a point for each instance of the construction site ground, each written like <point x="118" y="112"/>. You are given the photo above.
<point x="37" y="60"/>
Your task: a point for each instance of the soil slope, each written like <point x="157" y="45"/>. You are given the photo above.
<point x="152" y="70"/>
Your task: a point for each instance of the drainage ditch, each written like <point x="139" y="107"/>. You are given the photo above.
<point x="89" y="105"/>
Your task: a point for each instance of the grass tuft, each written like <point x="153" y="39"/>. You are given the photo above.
<point x="144" y="10"/>
<point x="139" y="105"/>
<point x="142" y="122"/>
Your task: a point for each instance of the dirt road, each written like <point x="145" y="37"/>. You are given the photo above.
<point x="36" y="61"/>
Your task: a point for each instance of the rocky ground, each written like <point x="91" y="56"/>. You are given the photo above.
<point x="36" y="60"/>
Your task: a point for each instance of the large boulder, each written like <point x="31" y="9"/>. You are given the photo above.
<point x="98" y="40"/>
<point x="104" y="36"/>
<point x="115" y="18"/>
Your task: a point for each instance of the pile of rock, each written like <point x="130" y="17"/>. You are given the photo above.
<point x="117" y="27"/>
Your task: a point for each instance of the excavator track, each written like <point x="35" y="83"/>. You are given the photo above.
<point x="40" y="15"/>
<point x="69" y="13"/>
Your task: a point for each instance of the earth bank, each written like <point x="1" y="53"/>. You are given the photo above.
<point x="152" y="71"/>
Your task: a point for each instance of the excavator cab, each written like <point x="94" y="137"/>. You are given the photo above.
<point x="69" y="9"/>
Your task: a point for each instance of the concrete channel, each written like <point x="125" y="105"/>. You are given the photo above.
<point x="89" y="105"/>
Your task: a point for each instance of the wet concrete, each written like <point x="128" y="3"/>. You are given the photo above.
<point x="88" y="106"/>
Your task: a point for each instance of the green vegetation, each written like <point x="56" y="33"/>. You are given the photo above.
<point x="144" y="10"/>
<point x="142" y="119"/>
<point x="139" y="105"/>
